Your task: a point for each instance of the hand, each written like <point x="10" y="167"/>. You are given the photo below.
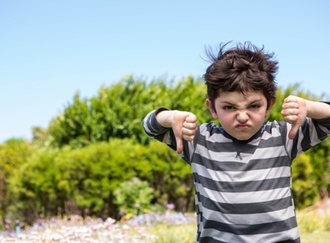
<point x="294" y="111"/>
<point x="184" y="125"/>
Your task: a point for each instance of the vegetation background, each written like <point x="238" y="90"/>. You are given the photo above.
<point x="95" y="160"/>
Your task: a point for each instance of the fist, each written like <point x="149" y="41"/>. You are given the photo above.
<point x="294" y="111"/>
<point x="184" y="126"/>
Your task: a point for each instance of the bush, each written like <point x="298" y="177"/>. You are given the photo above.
<point x="133" y="197"/>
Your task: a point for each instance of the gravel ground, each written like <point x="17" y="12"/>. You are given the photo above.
<point x="92" y="230"/>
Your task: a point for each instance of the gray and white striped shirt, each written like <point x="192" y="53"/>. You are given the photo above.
<point x="243" y="188"/>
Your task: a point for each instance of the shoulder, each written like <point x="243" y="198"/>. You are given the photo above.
<point x="275" y="129"/>
<point x="211" y="133"/>
<point x="275" y="125"/>
<point x="210" y="128"/>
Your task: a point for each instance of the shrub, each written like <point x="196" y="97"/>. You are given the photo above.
<point x="133" y="197"/>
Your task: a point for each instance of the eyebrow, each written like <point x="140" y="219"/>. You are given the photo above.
<point x="229" y="103"/>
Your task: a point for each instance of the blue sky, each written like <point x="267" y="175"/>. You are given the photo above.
<point x="49" y="50"/>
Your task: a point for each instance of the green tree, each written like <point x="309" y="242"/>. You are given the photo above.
<point x="73" y="126"/>
<point x="13" y="154"/>
<point x="117" y="111"/>
<point x="85" y="179"/>
<point x="98" y="143"/>
<point x="33" y="186"/>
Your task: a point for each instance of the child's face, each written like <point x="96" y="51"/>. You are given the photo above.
<point x="240" y="115"/>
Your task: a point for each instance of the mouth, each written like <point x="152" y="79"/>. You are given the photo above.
<point x="242" y="126"/>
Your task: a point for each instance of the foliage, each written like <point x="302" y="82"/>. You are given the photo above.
<point x="320" y="161"/>
<point x="117" y="111"/>
<point x="189" y="95"/>
<point x="310" y="222"/>
<point x="32" y="186"/>
<point x="93" y="146"/>
<point x="82" y="181"/>
<point x="133" y="197"/>
<point x="304" y="190"/>
<point x="13" y="154"/>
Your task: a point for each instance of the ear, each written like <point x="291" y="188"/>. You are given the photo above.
<point x="209" y="105"/>
<point x="270" y="105"/>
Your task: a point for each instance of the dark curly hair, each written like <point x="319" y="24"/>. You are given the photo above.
<point x="243" y="68"/>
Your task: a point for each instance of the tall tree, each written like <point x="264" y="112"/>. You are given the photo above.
<point x="13" y="154"/>
<point x="117" y="111"/>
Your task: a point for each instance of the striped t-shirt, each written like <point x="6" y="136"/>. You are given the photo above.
<point x="243" y="188"/>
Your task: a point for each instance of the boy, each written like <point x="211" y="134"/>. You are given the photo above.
<point x="242" y="169"/>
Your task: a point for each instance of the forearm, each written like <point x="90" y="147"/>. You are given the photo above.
<point x="317" y="110"/>
<point x="182" y="123"/>
<point x="151" y="126"/>
<point x="165" y="118"/>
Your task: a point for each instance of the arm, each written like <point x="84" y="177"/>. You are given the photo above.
<point x="183" y="124"/>
<point x="296" y="109"/>
<point x="317" y="110"/>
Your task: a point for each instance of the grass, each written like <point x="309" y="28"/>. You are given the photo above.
<point x="312" y="229"/>
<point x="315" y="237"/>
<point x="173" y="233"/>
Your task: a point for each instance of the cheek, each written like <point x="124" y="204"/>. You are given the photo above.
<point x="225" y="119"/>
<point x="263" y="114"/>
<point x="258" y="118"/>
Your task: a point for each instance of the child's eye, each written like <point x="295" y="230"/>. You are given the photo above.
<point x="254" y="106"/>
<point x="228" y="108"/>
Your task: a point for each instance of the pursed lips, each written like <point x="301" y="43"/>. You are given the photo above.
<point x="242" y="126"/>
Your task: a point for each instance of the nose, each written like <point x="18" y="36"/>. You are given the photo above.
<point x="242" y="116"/>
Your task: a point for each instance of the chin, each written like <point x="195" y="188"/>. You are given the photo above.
<point x="243" y="137"/>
